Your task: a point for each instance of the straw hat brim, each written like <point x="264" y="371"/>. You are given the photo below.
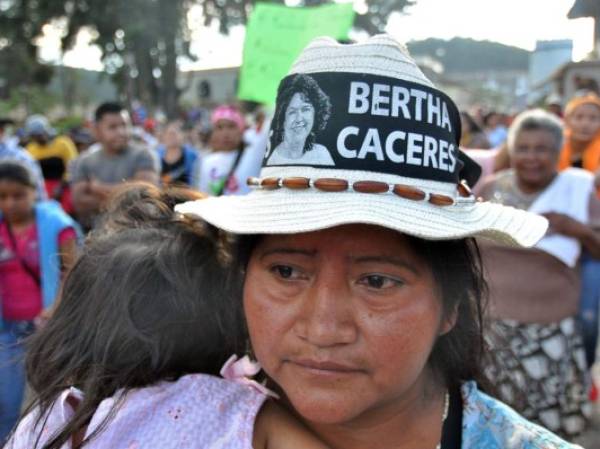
<point x="290" y="212"/>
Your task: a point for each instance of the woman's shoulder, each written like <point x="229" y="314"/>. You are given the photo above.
<point x="492" y="424"/>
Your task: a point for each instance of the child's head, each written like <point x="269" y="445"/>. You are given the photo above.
<point x="582" y="117"/>
<point x="139" y="306"/>
<point x="17" y="191"/>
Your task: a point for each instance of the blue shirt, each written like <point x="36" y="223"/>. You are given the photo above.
<point x="490" y="424"/>
<point x="12" y="153"/>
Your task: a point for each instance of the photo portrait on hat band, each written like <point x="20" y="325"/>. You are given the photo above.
<point x="353" y="121"/>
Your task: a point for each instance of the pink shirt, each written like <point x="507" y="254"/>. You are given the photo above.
<point x="196" y="411"/>
<point x="20" y="296"/>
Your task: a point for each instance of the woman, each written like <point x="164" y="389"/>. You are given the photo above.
<point x="582" y="142"/>
<point x="582" y="149"/>
<point x="178" y="161"/>
<point x="305" y="110"/>
<point x="363" y="286"/>
<point x="537" y="353"/>
<point x="225" y="169"/>
<point x="37" y="241"/>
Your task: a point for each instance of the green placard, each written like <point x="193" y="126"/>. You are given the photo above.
<point x="275" y="36"/>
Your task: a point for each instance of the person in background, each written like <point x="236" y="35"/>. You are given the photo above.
<point x="258" y="128"/>
<point x="96" y="173"/>
<point x="582" y="149"/>
<point x="11" y="151"/>
<point x="537" y="358"/>
<point x="495" y="129"/>
<point x="472" y="135"/>
<point x="582" y="135"/>
<point x="554" y="105"/>
<point x="225" y="169"/>
<point x="54" y="154"/>
<point x="178" y="160"/>
<point x="37" y="243"/>
<point x="82" y="138"/>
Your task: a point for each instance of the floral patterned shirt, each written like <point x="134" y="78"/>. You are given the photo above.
<point x="490" y="424"/>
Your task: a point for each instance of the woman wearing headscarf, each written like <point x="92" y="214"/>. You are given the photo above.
<point x="582" y="149"/>
<point x="537" y="356"/>
<point x="582" y="135"/>
<point x="363" y="288"/>
<point x="224" y="168"/>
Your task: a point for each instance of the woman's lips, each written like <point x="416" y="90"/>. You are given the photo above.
<point x="325" y="368"/>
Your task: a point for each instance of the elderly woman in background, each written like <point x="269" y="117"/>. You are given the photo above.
<point x="538" y="358"/>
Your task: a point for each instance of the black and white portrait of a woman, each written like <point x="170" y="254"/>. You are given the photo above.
<point x="303" y="111"/>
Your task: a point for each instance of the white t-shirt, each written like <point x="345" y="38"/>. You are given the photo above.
<point x="214" y="168"/>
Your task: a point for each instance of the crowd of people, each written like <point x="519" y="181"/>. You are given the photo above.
<point x="391" y="300"/>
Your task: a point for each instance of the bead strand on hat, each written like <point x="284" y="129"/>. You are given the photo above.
<point x="342" y="185"/>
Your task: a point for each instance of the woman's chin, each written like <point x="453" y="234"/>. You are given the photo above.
<point x="321" y="408"/>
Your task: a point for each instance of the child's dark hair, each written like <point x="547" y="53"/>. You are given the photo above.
<point x="16" y="172"/>
<point x="140" y="305"/>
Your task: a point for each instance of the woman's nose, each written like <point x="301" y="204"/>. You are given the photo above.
<point x="326" y="318"/>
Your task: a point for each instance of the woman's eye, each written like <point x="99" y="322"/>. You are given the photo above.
<point x="285" y="272"/>
<point x="379" y="282"/>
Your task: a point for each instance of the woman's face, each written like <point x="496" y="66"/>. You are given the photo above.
<point x="16" y="200"/>
<point x="173" y="137"/>
<point x="299" y="119"/>
<point x="225" y="136"/>
<point x="534" y="157"/>
<point x="584" y="122"/>
<point x="343" y="320"/>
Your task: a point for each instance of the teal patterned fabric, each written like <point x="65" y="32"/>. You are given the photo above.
<point x="490" y="424"/>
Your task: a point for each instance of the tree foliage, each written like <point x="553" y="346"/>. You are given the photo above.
<point x="141" y="40"/>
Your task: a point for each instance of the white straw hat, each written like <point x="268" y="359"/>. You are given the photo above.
<point x="360" y="135"/>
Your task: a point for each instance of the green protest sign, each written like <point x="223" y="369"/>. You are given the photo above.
<point x="275" y="36"/>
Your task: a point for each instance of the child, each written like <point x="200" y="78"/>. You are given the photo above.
<point x="130" y="357"/>
<point x="36" y="239"/>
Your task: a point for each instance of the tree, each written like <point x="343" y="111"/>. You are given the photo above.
<point x="235" y="12"/>
<point x="142" y="40"/>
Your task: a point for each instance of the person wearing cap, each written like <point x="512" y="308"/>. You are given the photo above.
<point x="363" y="289"/>
<point x="537" y="354"/>
<point x="11" y="151"/>
<point x="229" y="162"/>
<point x="97" y="172"/>
<point x="54" y="154"/>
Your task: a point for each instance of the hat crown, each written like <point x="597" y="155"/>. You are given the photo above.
<point x="378" y="55"/>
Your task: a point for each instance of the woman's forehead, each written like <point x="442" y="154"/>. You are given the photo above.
<point x="347" y="238"/>
<point x="586" y="108"/>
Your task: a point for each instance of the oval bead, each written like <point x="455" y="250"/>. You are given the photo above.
<point x="409" y="193"/>
<point x="370" y="187"/>
<point x="296" y="183"/>
<point x="331" y="184"/>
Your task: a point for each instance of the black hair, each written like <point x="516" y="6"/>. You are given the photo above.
<point x="142" y="304"/>
<point x="107" y="108"/>
<point x="457" y="356"/>
<point x="470" y="121"/>
<point x="310" y="91"/>
<point x="17" y="172"/>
